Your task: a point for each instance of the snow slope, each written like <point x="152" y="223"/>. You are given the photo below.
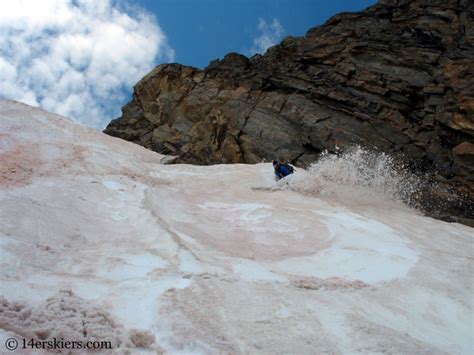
<point x="101" y="240"/>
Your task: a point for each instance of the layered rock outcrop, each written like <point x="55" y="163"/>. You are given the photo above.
<point x="397" y="77"/>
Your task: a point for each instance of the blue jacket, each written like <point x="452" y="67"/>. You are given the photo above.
<point x="282" y="170"/>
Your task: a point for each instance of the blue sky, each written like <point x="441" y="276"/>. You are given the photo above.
<point x="81" y="58"/>
<point x="200" y="31"/>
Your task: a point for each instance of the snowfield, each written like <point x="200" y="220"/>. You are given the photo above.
<point x="101" y="240"/>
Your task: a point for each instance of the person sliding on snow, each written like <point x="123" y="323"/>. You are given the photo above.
<point x="282" y="169"/>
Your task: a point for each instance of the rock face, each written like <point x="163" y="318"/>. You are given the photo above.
<point x="397" y="77"/>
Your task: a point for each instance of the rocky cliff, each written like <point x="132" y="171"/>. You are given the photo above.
<point x="397" y="77"/>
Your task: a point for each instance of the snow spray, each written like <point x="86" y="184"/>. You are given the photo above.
<point x="358" y="175"/>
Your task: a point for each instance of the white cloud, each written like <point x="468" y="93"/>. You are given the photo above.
<point x="270" y="33"/>
<point x="77" y="58"/>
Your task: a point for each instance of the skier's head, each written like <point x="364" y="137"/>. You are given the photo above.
<point x="275" y="162"/>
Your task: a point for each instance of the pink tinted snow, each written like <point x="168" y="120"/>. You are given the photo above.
<point x="98" y="238"/>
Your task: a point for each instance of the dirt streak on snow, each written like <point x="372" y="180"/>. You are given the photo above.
<point x="99" y="239"/>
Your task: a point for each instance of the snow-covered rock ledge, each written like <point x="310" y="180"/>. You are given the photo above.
<point x="99" y="239"/>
